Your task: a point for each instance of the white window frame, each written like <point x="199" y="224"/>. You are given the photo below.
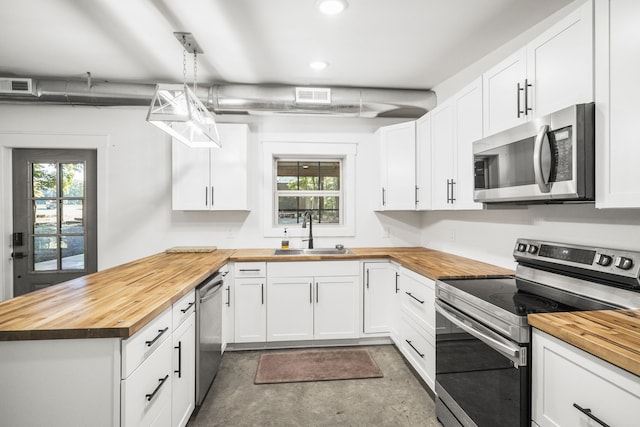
<point x="307" y="150"/>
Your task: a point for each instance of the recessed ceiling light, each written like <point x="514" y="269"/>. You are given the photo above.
<point x="318" y="65"/>
<point x="331" y="7"/>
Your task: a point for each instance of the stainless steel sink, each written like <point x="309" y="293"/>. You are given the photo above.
<point x="316" y="251"/>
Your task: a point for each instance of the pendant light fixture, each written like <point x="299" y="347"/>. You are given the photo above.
<point x="176" y="109"/>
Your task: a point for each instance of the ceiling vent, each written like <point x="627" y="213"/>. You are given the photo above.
<point x="16" y="86"/>
<point x="313" y="95"/>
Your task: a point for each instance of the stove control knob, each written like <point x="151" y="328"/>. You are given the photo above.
<point x="532" y="249"/>
<point x="604" y="260"/>
<point x="624" y="263"/>
<point x="521" y="247"/>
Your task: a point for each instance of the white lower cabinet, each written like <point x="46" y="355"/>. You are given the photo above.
<point x="146" y="393"/>
<point x="380" y="284"/>
<point x="184" y="372"/>
<point x="416" y="323"/>
<point x="249" y="295"/>
<point x="570" y="387"/>
<point x="313" y="300"/>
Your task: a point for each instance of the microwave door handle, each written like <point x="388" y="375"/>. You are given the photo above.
<point x="542" y="159"/>
<point x="474" y="329"/>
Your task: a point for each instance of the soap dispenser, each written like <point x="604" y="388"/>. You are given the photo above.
<point x="285" y="240"/>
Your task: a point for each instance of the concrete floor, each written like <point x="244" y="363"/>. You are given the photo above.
<point x="398" y="399"/>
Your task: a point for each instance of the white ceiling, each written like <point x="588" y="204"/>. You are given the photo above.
<point x="375" y="43"/>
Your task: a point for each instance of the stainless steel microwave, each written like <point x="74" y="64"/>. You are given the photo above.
<point x="546" y="160"/>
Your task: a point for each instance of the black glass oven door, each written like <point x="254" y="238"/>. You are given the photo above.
<point x="484" y="375"/>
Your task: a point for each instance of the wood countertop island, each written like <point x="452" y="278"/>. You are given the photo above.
<point x="115" y="302"/>
<point x="612" y="335"/>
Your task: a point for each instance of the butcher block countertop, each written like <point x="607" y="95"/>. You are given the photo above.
<point x="115" y="302"/>
<point x="119" y="301"/>
<point x="427" y="262"/>
<point x="612" y="335"/>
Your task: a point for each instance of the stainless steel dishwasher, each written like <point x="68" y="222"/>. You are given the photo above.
<point x="208" y="332"/>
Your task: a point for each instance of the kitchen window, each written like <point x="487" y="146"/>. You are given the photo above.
<point x="308" y="185"/>
<point x="315" y="176"/>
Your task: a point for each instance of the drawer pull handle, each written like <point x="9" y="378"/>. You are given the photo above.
<point x="588" y="413"/>
<point x="160" y="332"/>
<point x="415" y="349"/>
<point x="411" y="295"/>
<point x="152" y="395"/>
<point x="184" y="310"/>
<point x="249" y="269"/>
<point x="179" y="348"/>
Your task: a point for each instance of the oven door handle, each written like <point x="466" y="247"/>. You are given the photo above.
<point x="513" y="352"/>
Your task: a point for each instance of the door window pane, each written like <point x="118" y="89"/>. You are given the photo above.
<point x="45" y="216"/>
<point x="45" y="253"/>
<point x="72" y="248"/>
<point x="72" y="217"/>
<point x="72" y="179"/>
<point x="44" y="179"/>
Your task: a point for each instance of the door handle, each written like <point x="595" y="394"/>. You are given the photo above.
<point x="17" y="255"/>
<point x="542" y="159"/>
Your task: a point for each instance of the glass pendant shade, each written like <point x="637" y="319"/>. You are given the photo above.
<point x="177" y="110"/>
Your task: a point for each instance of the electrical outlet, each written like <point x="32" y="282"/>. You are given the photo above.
<point x="385" y="231"/>
<point x="452" y="235"/>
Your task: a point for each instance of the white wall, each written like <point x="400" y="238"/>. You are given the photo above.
<point x="135" y="216"/>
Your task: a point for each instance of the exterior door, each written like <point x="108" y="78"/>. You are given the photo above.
<point x="54" y="217"/>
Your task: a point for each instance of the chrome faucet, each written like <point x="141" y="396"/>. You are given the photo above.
<point x="304" y="225"/>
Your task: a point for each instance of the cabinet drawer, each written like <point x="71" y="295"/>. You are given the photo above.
<point x="418" y="347"/>
<point x="250" y="269"/>
<point x="147" y="392"/>
<point x="314" y="268"/>
<point x="183" y="308"/>
<point x="144" y="342"/>
<point x="417" y="297"/>
<point x="564" y="376"/>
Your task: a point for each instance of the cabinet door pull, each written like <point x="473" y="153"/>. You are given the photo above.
<point x="518" y="110"/>
<point x="411" y="295"/>
<point x="317" y="293"/>
<point x="153" y="394"/>
<point x="212" y="196"/>
<point x="184" y="310"/>
<point x="228" y="303"/>
<point x="384" y="200"/>
<point x="589" y="414"/>
<point x="527" y="85"/>
<point x="415" y="349"/>
<point x="453" y="198"/>
<point x="397" y="275"/>
<point x="310" y="294"/>
<point x="179" y="348"/>
<point x="262" y="292"/>
<point x="417" y="189"/>
<point x="449" y="191"/>
<point x="160" y="332"/>
<point x="206" y="196"/>
<point x="367" y="281"/>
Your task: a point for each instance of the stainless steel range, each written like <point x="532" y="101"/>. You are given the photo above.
<point x="483" y="360"/>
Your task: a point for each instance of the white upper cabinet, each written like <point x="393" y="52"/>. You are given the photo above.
<point x="617" y="108"/>
<point x="397" y="168"/>
<point x="552" y="72"/>
<point x="502" y="95"/>
<point x="212" y="178"/>
<point x="455" y="124"/>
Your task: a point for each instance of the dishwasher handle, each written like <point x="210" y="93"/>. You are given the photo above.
<point x="210" y="291"/>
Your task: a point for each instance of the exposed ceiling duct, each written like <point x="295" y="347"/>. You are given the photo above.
<point x="230" y="98"/>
